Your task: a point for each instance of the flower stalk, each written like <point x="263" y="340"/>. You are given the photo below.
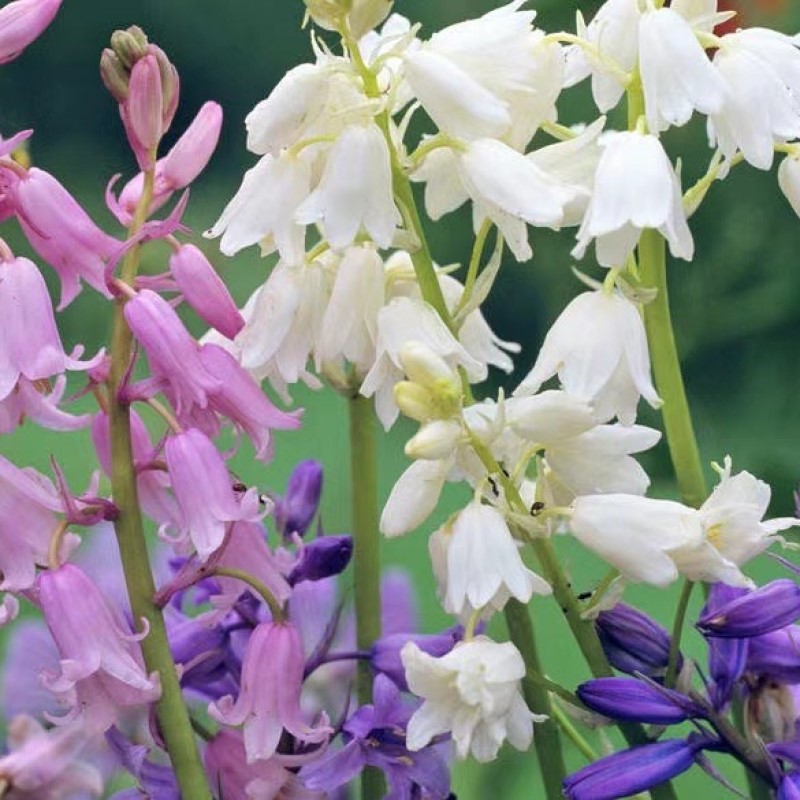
<point x="173" y="715"/>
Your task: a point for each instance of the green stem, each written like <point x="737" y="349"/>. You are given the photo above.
<point x="565" y="723"/>
<point x="681" y="439"/>
<point x="366" y="556"/>
<point x="276" y="609"/>
<point x="677" y="632"/>
<point x="173" y="716"/>
<point x="547" y="739"/>
<point x="758" y="787"/>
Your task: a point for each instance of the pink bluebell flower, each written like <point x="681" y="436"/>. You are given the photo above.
<point x="269" y="700"/>
<point x="101" y="668"/>
<point x="21" y="23"/>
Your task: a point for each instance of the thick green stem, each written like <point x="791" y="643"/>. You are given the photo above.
<point x="173" y="716"/>
<point x="681" y="439"/>
<point x="366" y="556"/>
<point x="547" y="739"/>
<point x="677" y="632"/>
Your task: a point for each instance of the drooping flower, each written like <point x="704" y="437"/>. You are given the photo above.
<point x="671" y="95"/>
<point x="482" y="564"/>
<point x="635" y="188"/>
<point x="204" y="491"/>
<point x="598" y="348"/>
<point x="269" y="700"/>
<point x="375" y="737"/>
<point x="472" y="693"/>
<point x="295" y="511"/>
<point x="101" y="670"/>
<point x="61" y="232"/>
<point x="355" y="190"/>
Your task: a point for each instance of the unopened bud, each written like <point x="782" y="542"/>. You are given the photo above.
<point x="114" y="75"/>
<point x="328" y="14"/>
<point x="414" y="401"/>
<point x="143" y="110"/>
<point x="434" y="440"/>
<point x="170" y="85"/>
<point x="367" y="14"/>
<point x="129" y="45"/>
<point x="425" y="367"/>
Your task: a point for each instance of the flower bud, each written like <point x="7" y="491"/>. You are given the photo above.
<point x="190" y="154"/>
<point x="114" y="75"/>
<point x="633" y="642"/>
<point x="362" y="15"/>
<point x="170" y="85"/>
<point x="635" y="701"/>
<point x="323" y="558"/>
<point x="22" y="22"/>
<point x="435" y="439"/>
<point x="129" y="45"/>
<point x="143" y="110"/>
<point x="204" y="291"/>
<point x="425" y="367"/>
<point x="295" y="511"/>
<point x="414" y="401"/>
<point x="328" y="14"/>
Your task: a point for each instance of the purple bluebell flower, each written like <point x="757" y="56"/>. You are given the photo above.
<point x="322" y="558"/>
<point x="636" y="701"/>
<point x="295" y="511"/>
<point x="633" y="642"/>
<point x="764" y="610"/>
<point x="727" y="658"/>
<point x="375" y="736"/>
<point x="155" y="781"/>
<point x="385" y="653"/>
<point x="632" y="771"/>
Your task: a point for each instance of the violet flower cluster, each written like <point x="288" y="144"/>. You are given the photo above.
<point x="221" y="659"/>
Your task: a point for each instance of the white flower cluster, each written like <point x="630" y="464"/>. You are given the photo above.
<point x="366" y="308"/>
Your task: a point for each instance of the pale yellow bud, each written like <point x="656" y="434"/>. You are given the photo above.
<point x="434" y="440"/>
<point x="425" y="367"/>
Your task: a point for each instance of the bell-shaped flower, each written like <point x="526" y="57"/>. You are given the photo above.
<point x="47" y="764"/>
<point x="636" y="535"/>
<point x="21" y="23"/>
<point x="283" y="322"/>
<point x="385" y="653"/>
<point x="173" y="354"/>
<point x="61" y="232"/>
<point x="229" y="771"/>
<point x="482" y="564"/>
<point x="204" y="290"/>
<point x="375" y="737"/>
<point x="762" y="105"/>
<point x="349" y="327"/>
<point x="355" y="190"/>
<point x="102" y="671"/>
<point x="264" y="208"/>
<point x="599" y="462"/>
<point x="31" y="346"/>
<point x="241" y="401"/>
<point x="401" y="321"/>
<point x="295" y="511"/>
<point x="670" y="94"/>
<point x="598" y="349"/>
<point x="734" y="531"/>
<point x="204" y="491"/>
<point x="473" y="693"/>
<point x="29" y="515"/>
<point x="504" y="186"/>
<point x="635" y="188"/>
<point x="414" y="497"/>
<point x="494" y="76"/>
<point x="269" y="700"/>
<point x="613" y="35"/>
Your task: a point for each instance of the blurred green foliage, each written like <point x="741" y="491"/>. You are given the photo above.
<point x="735" y="306"/>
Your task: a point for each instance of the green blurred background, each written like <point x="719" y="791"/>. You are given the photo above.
<point x="735" y="306"/>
